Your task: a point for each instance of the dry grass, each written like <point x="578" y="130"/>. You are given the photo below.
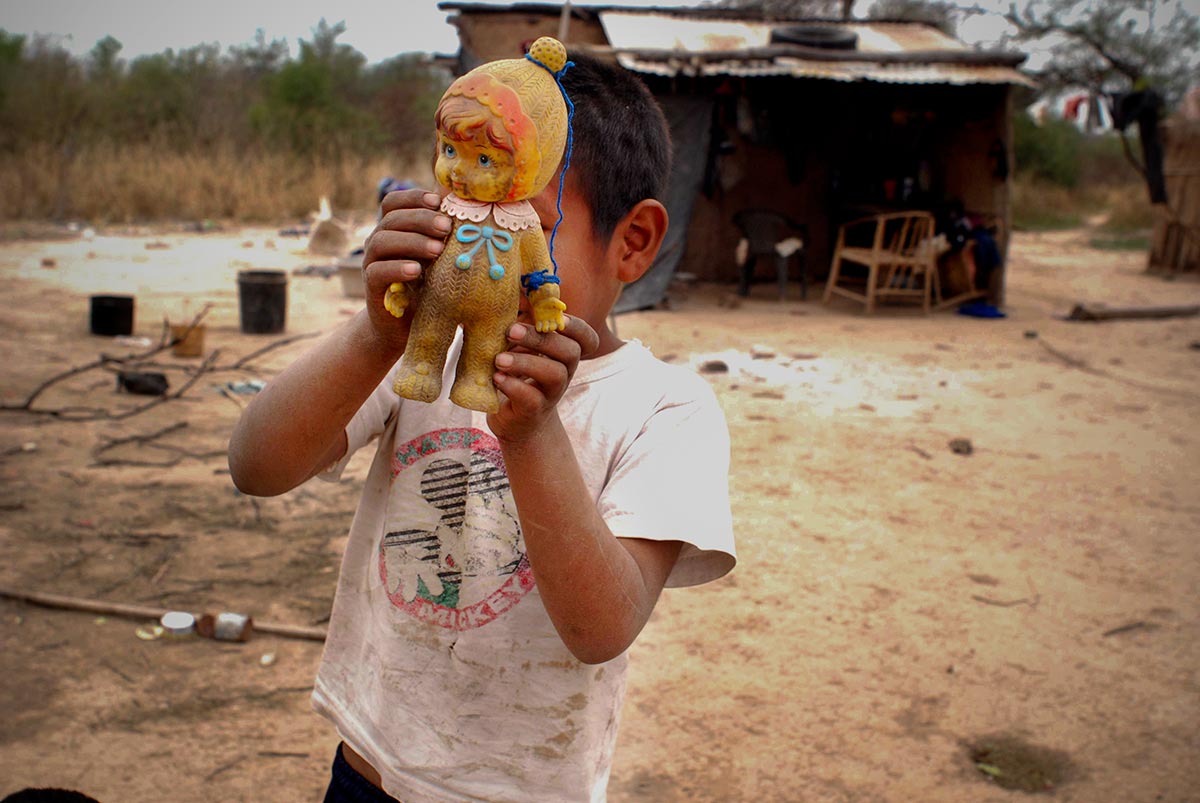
<point x="106" y="184"/>
<point x="1129" y="210"/>
<point x="1121" y="209"/>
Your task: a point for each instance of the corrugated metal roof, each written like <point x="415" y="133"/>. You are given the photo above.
<point x="891" y="52"/>
<point x="634" y="31"/>
<point x="958" y="74"/>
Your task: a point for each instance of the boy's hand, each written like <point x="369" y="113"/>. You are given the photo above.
<point x="410" y="235"/>
<point x="535" y="374"/>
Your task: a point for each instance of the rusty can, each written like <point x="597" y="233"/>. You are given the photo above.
<point x="226" y="626"/>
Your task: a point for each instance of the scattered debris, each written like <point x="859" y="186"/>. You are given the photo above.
<point x="153" y="633"/>
<point x="714" y="367"/>
<point x="324" y="271"/>
<point x="918" y="450"/>
<point x="1129" y="628"/>
<point x="761" y="352"/>
<point x="1012" y="763"/>
<point x="962" y="446"/>
<point x="142" y="383"/>
<point x="247" y="387"/>
<point x="328" y="236"/>
<point x="226" y="626"/>
<point x="1084" y="312"/>
<point x="1031" y="601"/>
<point x="805" y="356"/>
<point x="157" y="245"/>
<point x="1194" y="345"/>
<point x="132" y="341"/>
<point x="769" y="394"/>
<point x="267" y="659"/>
<point x="294" y="231"/>
<point x="870" y="408"/>
<point x="1031" y="334"/>
<point x="178" y="624"/>
<point x="49" y="262"/>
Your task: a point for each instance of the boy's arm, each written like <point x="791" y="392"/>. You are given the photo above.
<point x="599" y="590"/>
<point x="296" y="426"/>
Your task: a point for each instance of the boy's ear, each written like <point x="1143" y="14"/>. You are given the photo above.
<point x="638" y="237"/>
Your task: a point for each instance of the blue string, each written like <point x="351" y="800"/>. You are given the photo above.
<point x="538" y="282"/>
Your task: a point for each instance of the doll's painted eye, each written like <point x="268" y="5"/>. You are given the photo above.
<point x="449" y="151"/>
<point x="484" y="160"/>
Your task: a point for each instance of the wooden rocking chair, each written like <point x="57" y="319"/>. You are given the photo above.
<point x="901" y="260"/>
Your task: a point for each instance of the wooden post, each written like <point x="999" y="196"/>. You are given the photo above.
<point x="564" y="22"/>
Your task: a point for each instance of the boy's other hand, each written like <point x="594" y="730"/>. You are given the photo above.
<point x="534" y="375"/>
<point x="410" y="235"/>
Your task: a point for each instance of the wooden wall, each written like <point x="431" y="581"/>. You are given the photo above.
<point x="1175" y="247"/>
<point x="489" y="36"/>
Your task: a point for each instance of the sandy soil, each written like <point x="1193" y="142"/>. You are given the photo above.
<point x="906" y="623"/>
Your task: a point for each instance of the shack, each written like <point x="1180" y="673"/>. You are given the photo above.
<point x="820" y="120"/>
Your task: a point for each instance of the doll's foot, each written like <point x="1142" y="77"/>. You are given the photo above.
<point x="418" y="382"/>
<point x="475" y="393"/>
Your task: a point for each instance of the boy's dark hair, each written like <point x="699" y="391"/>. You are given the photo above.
<point x="48" y="796"/>
<point x="621" y="151"/>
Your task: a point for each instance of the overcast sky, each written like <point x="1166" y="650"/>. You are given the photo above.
<point x="376" y="28"/>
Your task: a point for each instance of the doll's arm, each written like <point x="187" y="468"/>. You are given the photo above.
<point x="543" y="296"/>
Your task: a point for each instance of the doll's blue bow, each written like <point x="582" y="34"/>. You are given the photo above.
<point x="480" y="236"/>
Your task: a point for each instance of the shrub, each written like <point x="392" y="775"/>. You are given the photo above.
<point x="1050" y="151"/>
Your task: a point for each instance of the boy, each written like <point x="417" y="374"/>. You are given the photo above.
<point x="499" y="565"/>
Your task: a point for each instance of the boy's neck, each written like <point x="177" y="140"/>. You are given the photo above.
<point x="609" y="342"/>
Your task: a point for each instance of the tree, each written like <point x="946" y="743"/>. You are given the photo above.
<point x="314" y="104"/>
<point x="1113" y="45"/>
<point x="793" y="8"/>
<point x="942" y="15"/>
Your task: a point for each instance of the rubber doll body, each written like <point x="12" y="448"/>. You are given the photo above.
<point x="492" y="155"/>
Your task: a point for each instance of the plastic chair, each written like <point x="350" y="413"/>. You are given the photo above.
<point x="771" y="234"/>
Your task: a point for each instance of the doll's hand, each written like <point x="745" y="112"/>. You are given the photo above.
<point x="395" y="300"/>
<point x="547" y="309"/>
<point x="534" y="375"/>
<point x="410" y="235"/>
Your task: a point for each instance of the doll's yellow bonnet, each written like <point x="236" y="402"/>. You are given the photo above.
<point x="525" y="95"/>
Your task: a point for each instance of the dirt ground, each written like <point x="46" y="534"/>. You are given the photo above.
<point x="906" y="623"/>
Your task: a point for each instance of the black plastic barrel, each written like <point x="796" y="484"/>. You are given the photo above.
<point x="112" y="315"/>
<point x="262" y="301"/>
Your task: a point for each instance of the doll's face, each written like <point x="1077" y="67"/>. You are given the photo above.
<point x="474" y="157"/>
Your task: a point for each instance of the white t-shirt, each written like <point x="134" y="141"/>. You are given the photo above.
<point x="442" y="667"/>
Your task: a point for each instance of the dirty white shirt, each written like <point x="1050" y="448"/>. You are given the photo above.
<point x="442" y="667"/>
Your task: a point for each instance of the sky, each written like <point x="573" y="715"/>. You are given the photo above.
<point x="376" y="28"/>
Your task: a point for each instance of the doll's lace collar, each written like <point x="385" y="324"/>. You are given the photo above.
<point x="512" y="215"/>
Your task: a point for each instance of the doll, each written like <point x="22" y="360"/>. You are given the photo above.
<point x="501" y="131"/>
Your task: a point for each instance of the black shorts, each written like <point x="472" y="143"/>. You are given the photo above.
<point x="348" y="786"/>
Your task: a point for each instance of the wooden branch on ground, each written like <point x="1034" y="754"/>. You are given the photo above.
<point x="1082" y="312"/>
<point x="102" y="361"/>
<point x="139" y="360"/>
<point x="148" y="440"/>
<point x="287" y="341"/>
<point x="63" y="602"/>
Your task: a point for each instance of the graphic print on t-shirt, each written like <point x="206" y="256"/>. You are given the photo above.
<point x="453" y="556"/>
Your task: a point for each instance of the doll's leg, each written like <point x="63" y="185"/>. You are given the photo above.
<point x="420" y="374"/>
<point x="473" y="387"/>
